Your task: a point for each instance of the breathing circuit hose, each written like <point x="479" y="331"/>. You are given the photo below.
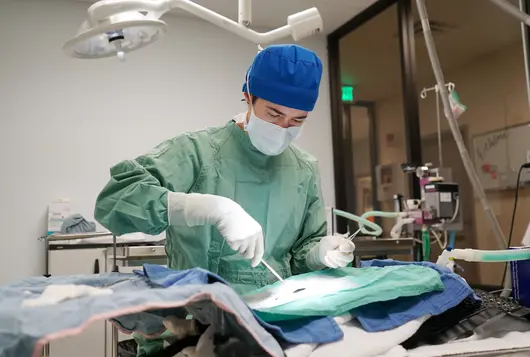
<point x="492" y="256"/>
<point x="375" y="230"/>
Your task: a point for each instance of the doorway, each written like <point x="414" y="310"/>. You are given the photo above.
<point x="373" y="67"/>
<point x="361" y="116"/>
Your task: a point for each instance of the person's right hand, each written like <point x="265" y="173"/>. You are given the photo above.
<point x="332" y="251"/>
<point x="241" y="232"/>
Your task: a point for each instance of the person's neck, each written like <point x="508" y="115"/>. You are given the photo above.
<point x="242" y="124"/>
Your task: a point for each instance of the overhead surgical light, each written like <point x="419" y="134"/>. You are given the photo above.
<point x="116" y="27"/>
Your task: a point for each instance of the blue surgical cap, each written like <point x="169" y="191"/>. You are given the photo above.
<point x="287" y="75"/>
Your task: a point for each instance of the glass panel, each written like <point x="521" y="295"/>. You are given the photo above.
<point x="483" y="57"/>
<point x="362" y="163"/>
<point x="370" y="62"/>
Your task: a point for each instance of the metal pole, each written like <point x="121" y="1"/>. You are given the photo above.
<point x="407" y="51"/>
<point x="114" y="341"/>
<point x="46" y="348"/>
<point x="512" y="10"/>
<point x="114" y="256"/>
<point x="523" y="6"/>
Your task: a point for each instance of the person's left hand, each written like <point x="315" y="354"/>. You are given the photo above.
<point x="333" y="252"/>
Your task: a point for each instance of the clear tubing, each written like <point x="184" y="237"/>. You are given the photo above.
<point x="453" y="125"/>
<point x="492" y="256"/>
<point x="439" y="125"/>
<point x="381" y="214"/>
<point x="375" y="230"/>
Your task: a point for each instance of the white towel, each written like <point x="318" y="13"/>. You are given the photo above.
<point x="357" y="342"/>
<point x="300" y="350"/>
<point x="55" y="294"/>
<point x="397" y="351"/>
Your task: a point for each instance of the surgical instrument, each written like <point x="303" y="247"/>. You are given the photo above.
<point x="272" y="270"/>
<point x="352" y="236"/>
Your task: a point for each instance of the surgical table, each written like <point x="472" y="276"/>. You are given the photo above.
<point x="131" y="255"/>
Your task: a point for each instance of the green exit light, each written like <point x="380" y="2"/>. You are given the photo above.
<point x="347" y="93"/>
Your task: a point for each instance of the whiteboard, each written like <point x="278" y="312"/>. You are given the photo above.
<point x="498" y="155"/>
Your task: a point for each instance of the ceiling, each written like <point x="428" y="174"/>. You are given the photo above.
<point x="369" y="56"/>
<point x="273" y="13"/>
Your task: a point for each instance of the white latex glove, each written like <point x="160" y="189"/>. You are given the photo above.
<point x="241" y="232"/>
<point x="332" y="251"/>
<point x="445" y="261"/>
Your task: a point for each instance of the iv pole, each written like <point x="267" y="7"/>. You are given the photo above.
<point x="524" y="31"/>
<point x="453" y="125"/>
<point x="423" y="95"/>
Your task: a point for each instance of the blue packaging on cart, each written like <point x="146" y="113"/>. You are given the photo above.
<point x="520" y="273"/>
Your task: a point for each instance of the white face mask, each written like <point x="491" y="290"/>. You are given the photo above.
<point x="270" y="138"/>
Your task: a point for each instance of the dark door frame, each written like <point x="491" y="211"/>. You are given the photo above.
<point x="342" y="157"/>
<point x="373" y="147"/>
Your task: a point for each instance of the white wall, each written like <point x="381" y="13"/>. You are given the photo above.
<point x="64" y="122"/>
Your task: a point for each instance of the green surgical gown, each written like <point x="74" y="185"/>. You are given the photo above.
<point x="281" y="192"/>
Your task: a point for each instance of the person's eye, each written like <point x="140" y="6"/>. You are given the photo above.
<point x="274" y="115"/>
<point x="299" y="121"/>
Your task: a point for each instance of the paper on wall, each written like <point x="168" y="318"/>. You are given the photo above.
<point x="58" y="211"/>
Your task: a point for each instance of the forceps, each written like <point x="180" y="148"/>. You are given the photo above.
<point x="354" y="234"/>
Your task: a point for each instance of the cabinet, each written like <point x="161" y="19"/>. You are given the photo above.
<point x="129" y="258"/>
<point x="100" y="338"/>
<point x="91" y="343"/>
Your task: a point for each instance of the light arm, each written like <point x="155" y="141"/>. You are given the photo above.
<point x="299" y="26"/>
<point x="232" y="26"/>
<point x="512" y="10"/>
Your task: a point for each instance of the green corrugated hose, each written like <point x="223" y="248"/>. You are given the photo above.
<point x="426" y="244"/>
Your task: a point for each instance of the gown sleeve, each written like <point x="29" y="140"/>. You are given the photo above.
<point x="135" y="198"/>
<point x="314" y="225"/>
